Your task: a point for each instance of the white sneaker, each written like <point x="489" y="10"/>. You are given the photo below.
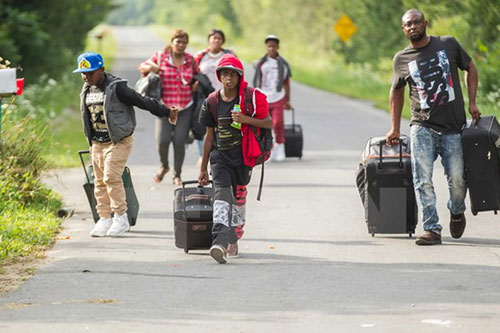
<point x="120" y="226"/>
<point x="279" y="152"/>
<point x="218" y="253"/>
<point x="101" y="227"/>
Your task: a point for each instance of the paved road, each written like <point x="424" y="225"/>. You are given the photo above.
<point x="307" y="263"/>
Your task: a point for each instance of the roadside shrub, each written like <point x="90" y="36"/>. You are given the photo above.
<point x="27" y="207"/>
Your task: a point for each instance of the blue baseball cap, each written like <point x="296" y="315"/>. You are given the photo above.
<point x="88" y="62"/>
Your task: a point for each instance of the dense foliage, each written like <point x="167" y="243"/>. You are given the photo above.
<point x="43" y="37"/>
<point x="306" y="27"/>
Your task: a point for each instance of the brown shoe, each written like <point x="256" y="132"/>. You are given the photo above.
<point x="457" y="225"/>
<point x="428" y="238"/>
<point x="232" y="251"/>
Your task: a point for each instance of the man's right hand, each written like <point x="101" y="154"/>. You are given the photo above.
<point x="203" y="178"/>
<point x="392" y="137"/>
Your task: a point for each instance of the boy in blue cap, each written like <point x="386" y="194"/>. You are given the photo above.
<point x="106" y="104"/>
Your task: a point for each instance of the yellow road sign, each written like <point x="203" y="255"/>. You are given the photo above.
<point x="345" y="28"/>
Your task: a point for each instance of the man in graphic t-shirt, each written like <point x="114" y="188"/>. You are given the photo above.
<point x="272" y="75"/>
<point x="429" y="66"/>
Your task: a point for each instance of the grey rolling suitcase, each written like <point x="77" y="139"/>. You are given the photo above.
<point x="193" y="220"/>
<point x="88" y="187"/>
<point x="385" y="186"/>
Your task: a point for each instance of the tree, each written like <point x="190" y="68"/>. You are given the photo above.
<point x="44" y="37"/>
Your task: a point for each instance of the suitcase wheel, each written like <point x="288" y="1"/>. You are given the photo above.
<point x="474" y="213"/>
<point x="410" y="234"/>
<point x="495" y="212"/>
<point x="186" y="250"/>
<point x="373" y="235"/>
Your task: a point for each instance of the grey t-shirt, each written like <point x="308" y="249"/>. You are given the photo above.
<point x="431" y="72"/>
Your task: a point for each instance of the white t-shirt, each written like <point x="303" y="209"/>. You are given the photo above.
<point x="208" y="64"/>
<point x="269" y="72"/>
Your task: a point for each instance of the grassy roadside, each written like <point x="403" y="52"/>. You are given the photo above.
<point x="40" y="130"/>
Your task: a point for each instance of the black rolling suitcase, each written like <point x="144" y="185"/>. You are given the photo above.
<point x="385" y="185"/>
<point x="88" y="187"/>
<point x="481" y="142"/>
<point x="294" y="139"/>
<point x="193" y="221"/>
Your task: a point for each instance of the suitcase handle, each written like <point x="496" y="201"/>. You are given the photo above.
<point x="188" y="182"/>
<point x="82" y="152"/>
<point x="293" y="118"/>
<point x="381" y="144"/>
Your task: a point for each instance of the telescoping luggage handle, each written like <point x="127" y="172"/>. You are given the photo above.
<point x="82" y="152"/>
<point x="293" y="118"/>
<point x="381" y="144"/>
<point x="184" y="188"/>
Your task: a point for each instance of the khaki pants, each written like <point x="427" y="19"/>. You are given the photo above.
<point x="108" y="160"/>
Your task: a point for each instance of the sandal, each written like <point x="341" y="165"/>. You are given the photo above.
<point x="160" y="174"/>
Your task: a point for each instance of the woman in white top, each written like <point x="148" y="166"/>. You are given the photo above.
<point x="208" y="59"/>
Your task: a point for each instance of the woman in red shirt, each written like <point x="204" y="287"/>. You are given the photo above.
<point x="177" y="69"/>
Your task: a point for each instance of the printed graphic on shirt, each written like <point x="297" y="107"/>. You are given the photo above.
<point x="95" y="104"/>
<point x="228" y="137"/>
<point x="433" y="81"/>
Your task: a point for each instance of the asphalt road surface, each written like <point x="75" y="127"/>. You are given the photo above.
<point x="307" y="261"/>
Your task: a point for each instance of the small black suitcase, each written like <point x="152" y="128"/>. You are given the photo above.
<point x="385" y="186"/>
<point x="294" y="139"/>
<point x="193" y="220"/>
<point x="481" y="142"/>
<point x="88" y="187"/>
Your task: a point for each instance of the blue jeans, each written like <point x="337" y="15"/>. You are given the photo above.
<point x="426" y="145"/>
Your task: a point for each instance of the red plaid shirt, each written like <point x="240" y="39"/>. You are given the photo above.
<point x="176" y="81"/>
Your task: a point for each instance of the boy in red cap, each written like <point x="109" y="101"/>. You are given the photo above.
<point x="232" y="146"/>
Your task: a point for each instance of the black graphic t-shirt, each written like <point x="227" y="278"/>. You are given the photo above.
<point x="227" y="138"/>
<point x="431" y="72"/>
<point x="95" y="104"/>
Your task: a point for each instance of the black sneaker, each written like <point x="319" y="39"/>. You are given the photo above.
<point x="428" y="238"/>
<point x="457" y="225"/>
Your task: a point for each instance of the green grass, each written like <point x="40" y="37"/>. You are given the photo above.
<point x="27" y="207"/>
<point x="24" y="230"/>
